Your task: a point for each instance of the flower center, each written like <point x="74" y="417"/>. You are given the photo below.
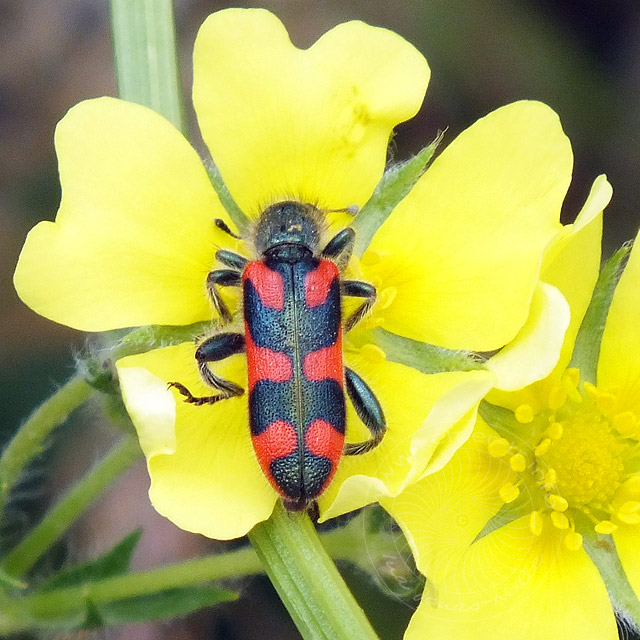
<point x="581" y="457"/>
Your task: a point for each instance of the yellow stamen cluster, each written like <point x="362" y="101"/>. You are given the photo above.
<point x="578" y="459"/>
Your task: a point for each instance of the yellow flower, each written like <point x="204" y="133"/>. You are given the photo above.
<point x="499" y="532"/>
<point x="456" y="264"/>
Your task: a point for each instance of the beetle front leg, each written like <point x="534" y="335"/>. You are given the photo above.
<point x="222" y="278"/>
<point x="216" y="348"/>
<point x="369" y="411"/>
<point x="358" y="289"/>
<point x="340" y="247"/>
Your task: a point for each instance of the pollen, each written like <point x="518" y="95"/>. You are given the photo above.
<point x="536" y="523"/>
<point x="518" y="462"/>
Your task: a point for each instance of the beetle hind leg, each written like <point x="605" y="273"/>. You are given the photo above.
<point x="369" y="411"/>
<point x="216" y="348"/>
<point x="358" y="289"/>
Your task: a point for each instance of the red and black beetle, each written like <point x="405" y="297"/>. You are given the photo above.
<point x="292" y="336"/>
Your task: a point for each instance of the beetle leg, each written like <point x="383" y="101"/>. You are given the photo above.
<point x="222" y="278"/>
<point x="358" y="289"/>
<point x="339" y="248"/>
<point x="369" y="411"/>
<point x="216" y="348"/>
<point x="231" y="259"/>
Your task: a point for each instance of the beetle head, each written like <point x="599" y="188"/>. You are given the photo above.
<point x="288" y="222"/>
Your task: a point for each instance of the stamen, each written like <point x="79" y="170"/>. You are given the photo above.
<point x="373" y="353"/>
<point x="518" y="462"/>
<point x="498" y="447"/>
<point x="543" y="447"/>
<point x="605" y="527"/>
<point x="557" y="503"/>
<point x="560" y="520"/>
<point x="550" y="479"/>
<point x="508" y="492"/>
<point x="572" y="540"/>
<point x="555" y="431"/>
<point x="570" y="381"/>
<point x="524" y="414"/>
<point x="536" y="523"/>
<point x="606" y="402"/>
<point x="386" y="297"/>
<point x="591" y="390"/>
<point x="557" y="397"/>
<point x="629" y="512"/>
<point x="624" y="423"/>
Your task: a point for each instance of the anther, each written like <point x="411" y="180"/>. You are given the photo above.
<point x="536" y="523"/>
<point x="560" y="520"/>
<point x="606" y="402"/>
<point x="625" y="423"/>
<point x="605" y="527"/>
<point x="629" y="512"/>
<point x="386" y="297"/>
<point x="557" y="503"/>
<point x="543" y="447"/>
<point x="557" y="397"/>
<point x="508" y="492"/>
<point x="555" y="431"/>
<point x="373" y="353"/>
<point x="498" y="447"/>
<point x="572" y="540"/>
<point x="518" y="462"/>
<point x="524" y="413"/>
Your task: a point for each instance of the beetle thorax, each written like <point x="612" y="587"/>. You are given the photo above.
<point x="288" y="223"/>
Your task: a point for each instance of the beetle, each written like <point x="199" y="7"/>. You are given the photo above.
<point x="293" y="330"/>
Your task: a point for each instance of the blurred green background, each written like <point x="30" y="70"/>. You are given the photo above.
<point x="581" y="57"/>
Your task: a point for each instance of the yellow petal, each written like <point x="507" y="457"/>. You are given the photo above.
<point x="464" y="248"/>
<point x="572" y="261"/>
<point x="619" y="364"/>
<point x="204" y="474"/>
<point x="511" y="585"/>
<point x="627" y="541"/>
<point x="407" y="397"/>
<point x="535" y="351"/>
<point x="312" y="124"/>
<point x="134" y="237"/>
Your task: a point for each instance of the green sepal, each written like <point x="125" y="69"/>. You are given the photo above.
<point x="603" y="553"/>
<point x="508" y="513"/>
<point x="236" y="214"/>
<point x="113" y="563"/>
<point x="396" y="183"/>
<point x="586" y="350"/>
<point x="172" y="603"/>
<point x="422" y="356"/>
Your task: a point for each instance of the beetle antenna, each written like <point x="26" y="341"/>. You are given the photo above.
<point x="223" y="226"/>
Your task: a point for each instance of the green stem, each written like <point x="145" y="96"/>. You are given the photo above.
<point x="42" y="610"/>
<point x="48" y="609"/>
<point x="27" y="442"/>
<point x="146" y="64"/>
<point x="307" y="580"/>
<point x="71" y="506"/>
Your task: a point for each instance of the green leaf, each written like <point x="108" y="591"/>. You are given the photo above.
<point x="171" y="603"/>
<point x="422" y="356"/>
<point x="235" y="213"/>
<point x="394" y="186"/>
<point x="586" y="350"/>
<point x="114" y="562"/>
<point x="603" y="553"/>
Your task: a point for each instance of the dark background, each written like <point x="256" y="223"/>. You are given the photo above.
<point x="581" y="57"/>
